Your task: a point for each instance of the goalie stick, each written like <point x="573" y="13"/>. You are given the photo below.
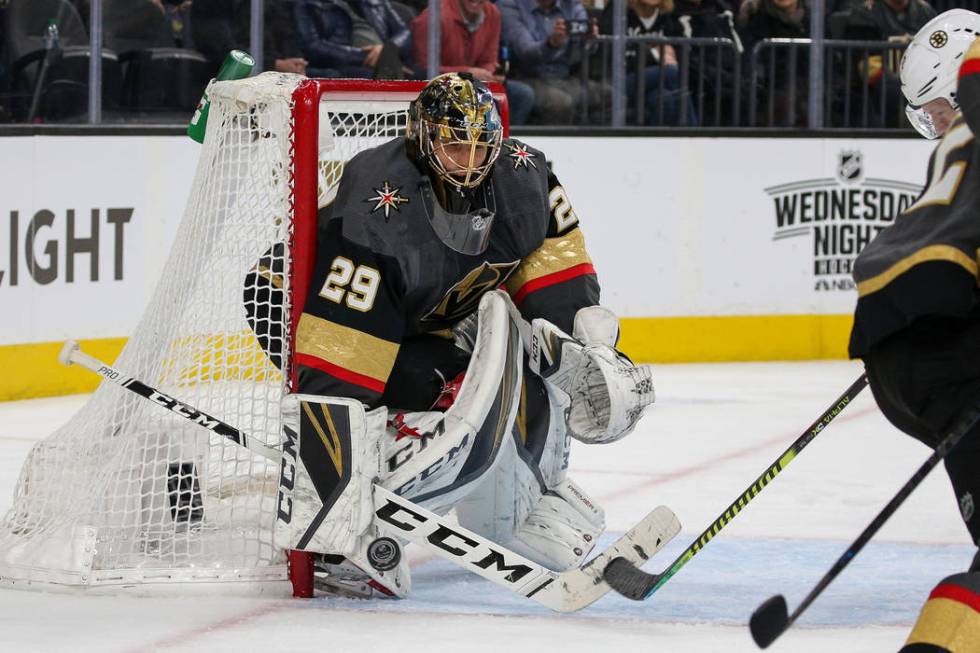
<point x="564" y="591"/>
<point x="771" y="618"/>
<point x="633" y="583"/>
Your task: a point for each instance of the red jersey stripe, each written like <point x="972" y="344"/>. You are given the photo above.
<point x="552" y="279"/>
<point x="957" y="593"/>
<point x="969" y="67"/>
<point x="341" y="373"/>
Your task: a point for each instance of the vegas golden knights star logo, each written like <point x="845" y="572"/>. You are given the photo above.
<point x="463" y="298"/>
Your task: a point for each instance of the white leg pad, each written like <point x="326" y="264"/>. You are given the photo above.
<point x="331" y="458"/>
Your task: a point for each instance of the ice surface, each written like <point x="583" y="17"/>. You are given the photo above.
<point x="713" y="430"/>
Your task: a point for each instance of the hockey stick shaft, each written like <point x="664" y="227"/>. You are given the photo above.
<point x="639" y="585"/>
<point x="72" y="354"/>
<point x="769" y="621"/>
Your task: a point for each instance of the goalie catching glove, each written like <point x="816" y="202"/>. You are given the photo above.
<point x="607" y="393"/>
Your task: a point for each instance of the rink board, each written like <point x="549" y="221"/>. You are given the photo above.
<point x="713" y="249"/>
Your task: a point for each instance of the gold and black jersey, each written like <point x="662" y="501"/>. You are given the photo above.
<point x="926" y="263"/>
<point x="383" y="275"/>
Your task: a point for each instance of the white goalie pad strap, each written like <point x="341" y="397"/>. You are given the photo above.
<point x="606" y="391"/>
<point x="425" y="462"/>
<point x="562" y="528"/>
<point x="331" y="458"/>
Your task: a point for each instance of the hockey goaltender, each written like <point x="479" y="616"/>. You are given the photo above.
<point x="451" y="345"/>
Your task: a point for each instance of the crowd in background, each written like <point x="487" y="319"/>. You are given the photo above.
<point x="549" y="54"/>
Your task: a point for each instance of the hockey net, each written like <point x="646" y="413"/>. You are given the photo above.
<point x="127" y="493"/>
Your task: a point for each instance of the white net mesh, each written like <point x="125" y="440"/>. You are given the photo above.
<point x="128" y="493"/>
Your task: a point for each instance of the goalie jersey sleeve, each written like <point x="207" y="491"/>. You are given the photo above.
<point x="558" y="278"/>
<point x="352" y="326"/>
<point x="926" y="263"/>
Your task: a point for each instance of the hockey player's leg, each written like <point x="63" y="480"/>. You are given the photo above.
<point x="528" y="503"/>
<point x="336" y="452"/>
<point x="922" y="379"/>
<point x="331" y="460"/>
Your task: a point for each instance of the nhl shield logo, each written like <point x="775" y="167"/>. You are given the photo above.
<point x="850" y="167"/>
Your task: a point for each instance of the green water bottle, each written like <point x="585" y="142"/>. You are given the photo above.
<point x="237" y="65"/>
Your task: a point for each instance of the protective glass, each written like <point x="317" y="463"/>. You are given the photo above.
<point x="922" y="121"/>
<point x="467" y="232"/>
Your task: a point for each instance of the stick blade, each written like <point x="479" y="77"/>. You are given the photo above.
<point x="769" y="621"/>
<point x="624" y="577"/>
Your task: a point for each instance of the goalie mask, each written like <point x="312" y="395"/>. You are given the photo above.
<point x="456" y="128"/>
<point x="455" y="131"/>
<point x="930" y="68"/>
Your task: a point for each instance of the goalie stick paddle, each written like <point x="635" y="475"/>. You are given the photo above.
<point x="633" y="583"/>
<point x="564" y="591"/>
<point x="771" y="618"/>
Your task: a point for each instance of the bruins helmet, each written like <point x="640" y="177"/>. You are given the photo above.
<point x="456" y="128"/>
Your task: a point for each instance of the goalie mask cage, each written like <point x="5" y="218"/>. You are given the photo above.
<point x="128" y="494"/>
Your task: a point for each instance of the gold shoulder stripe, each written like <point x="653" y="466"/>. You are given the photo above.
<point x="926" y="254"/>
<point x="974" y="51"/>
<point x="554" y="255"/>
<point x="345" y="347"/>
<point x="948" y="624"/>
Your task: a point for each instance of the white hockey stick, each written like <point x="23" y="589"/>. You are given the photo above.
<point x="72" y="353"/>
<point x="398" y="517"/>
<point x="564" y="591"/>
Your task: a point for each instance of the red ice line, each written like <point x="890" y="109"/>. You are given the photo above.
<point x="181" y="638"/>
<point x="660" y="479"/>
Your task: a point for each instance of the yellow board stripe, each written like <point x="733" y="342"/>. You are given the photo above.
<point x="554" y="255"/>
<point x="735" y="338"/>
<point x="33" y="370"/>
<point x="926" y="254"/>
<point x="947" y="623"/>
<point x="345" y="347"/>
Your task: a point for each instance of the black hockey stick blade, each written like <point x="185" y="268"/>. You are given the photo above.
<point x="769" y="621"/>
<point x="624" y="577"/>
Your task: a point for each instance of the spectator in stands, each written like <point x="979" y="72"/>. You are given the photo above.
<point x="547" y="38"/>
<point x="148" y="24"/>
<point x="884" y="20"/>
<point x="879" y="20"/>
<point x="773" y="19"/>
<point x="653" y="18"/>
<point x="706" y="19"/>
<point x="359" y="38"/>
<point x="714" y="19"/>
<point x="470" y="42"/>
<point x="224" y="25"/>
<point x="770" y="19"/>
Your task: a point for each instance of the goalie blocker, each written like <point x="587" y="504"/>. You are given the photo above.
<point x="360" y="483"/>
